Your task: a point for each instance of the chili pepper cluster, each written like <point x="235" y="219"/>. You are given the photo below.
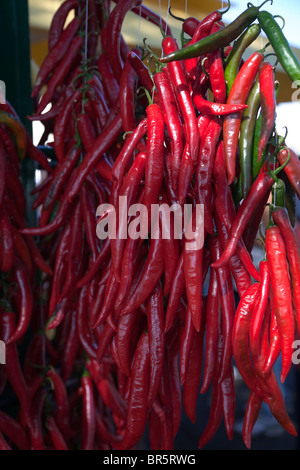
<point x="123" y="334"/>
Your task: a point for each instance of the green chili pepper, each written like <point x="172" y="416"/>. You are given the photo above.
<point x="218" y="39"/>
<point x="281" y="47"/>
<point x="246" y="138"/>
<point x="257" y="164"/>
<point x="235" y="56"/>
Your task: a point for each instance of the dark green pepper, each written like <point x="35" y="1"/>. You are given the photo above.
<point x="236" y="53"/>
<point x="219" y="39"/>
<point x="281" y="47"/>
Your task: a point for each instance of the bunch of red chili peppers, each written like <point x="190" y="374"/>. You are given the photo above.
<point x="125" y="333"/>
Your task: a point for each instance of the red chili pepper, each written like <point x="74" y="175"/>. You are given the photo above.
<point x="176" y="71"/>
<point x="60" y="73"/>
<point x="85" y="333"/>
<point x="282" y="295"/>
<point x="96" y="266"/>
<point x="150" y="276"/>
<point x="274" y="346"/>
<point x="199" y="31"/>
<point x="155" y="158"/>
<point x="213" y="306"/>
<point x="58" y="21"/>
<point x="71" y="348"/>
<point x="155" y="326"/>
<point x="132" y="257"/>
<point x="238" y="95"/>
<point x="228" y="401"/>
<point x="288" y="234"/>
<point x="16" y="434"/>
<point x="137" y="409"/>
<point x="186" y="340"/>
<point x="186" y="173"/>
<point x="140" y="69"/>
<point x="173" y="123"/>
<point x="62" y="409"/>
<point x="205" y="106"/>
<point x="60" y="175"/>
<point x="129" y="190"/>
<point x="21" y="277"/>
<point x="292" y="169"/>
<point x="56" y="55"/>
<point x="267" y="104"/>
<point x="124" y="340"/>
<point x="110" y="83"/>
<point x="103" y="142"/>
<point x="36" y="430"/>
<point x="227" y="306"/>
<point x="205" y="165"/>
<point x="176" y="292"/>
<point x="192" y="266"/>
<point x="216" y="71"/>
<point x="252" y="412"/>
<point x="190" y="389"/>
<point x="215" y="415"/>
<point x="240" y="339"/>
<point x="88" y="428"/>
<point x="114" y="25"/>
<point x="240" y="274"/>
<point x="259" y="310"/>
<point x="55" y="434"/>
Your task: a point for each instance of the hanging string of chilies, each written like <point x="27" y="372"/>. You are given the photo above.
<point x="137" y="328"/>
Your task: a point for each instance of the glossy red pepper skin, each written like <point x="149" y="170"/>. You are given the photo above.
<point x="204" y="172"/>
<point x="192" y="267"/>
<point x="152" y="271"/>
<point x="88" y="413"/>
<point x="155" y="159"/>
<point x="213" y="306"/>
<point x="55" y="55"/>
<point x="58" y="21"/>
<point x="199" y="30"/>
<point x="191" y="385"/>
<point x="227" y="306"/>
<point x="252" y="412"/>
<point x="110" y="83"/>
<point x="137" y="409"/>
<point x="173" y="123"/>
<point x="260" y="308"/>
<point x="179" y="81"/>
<point x="127" y="94"/>
<point x="25" y="314"/>
<point x="292" y="169"/>
<point x="129" y="190"/>
<point x="282" y="295"/>
<point x="287" y="231"/>
<point x="155" y="326"/>
<point x="60" y="73"/>
<point x="112" y="44"/>
<point x="238" y="95"/>
<point x="267" y="103"/>
<point x="240" y="339"/>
